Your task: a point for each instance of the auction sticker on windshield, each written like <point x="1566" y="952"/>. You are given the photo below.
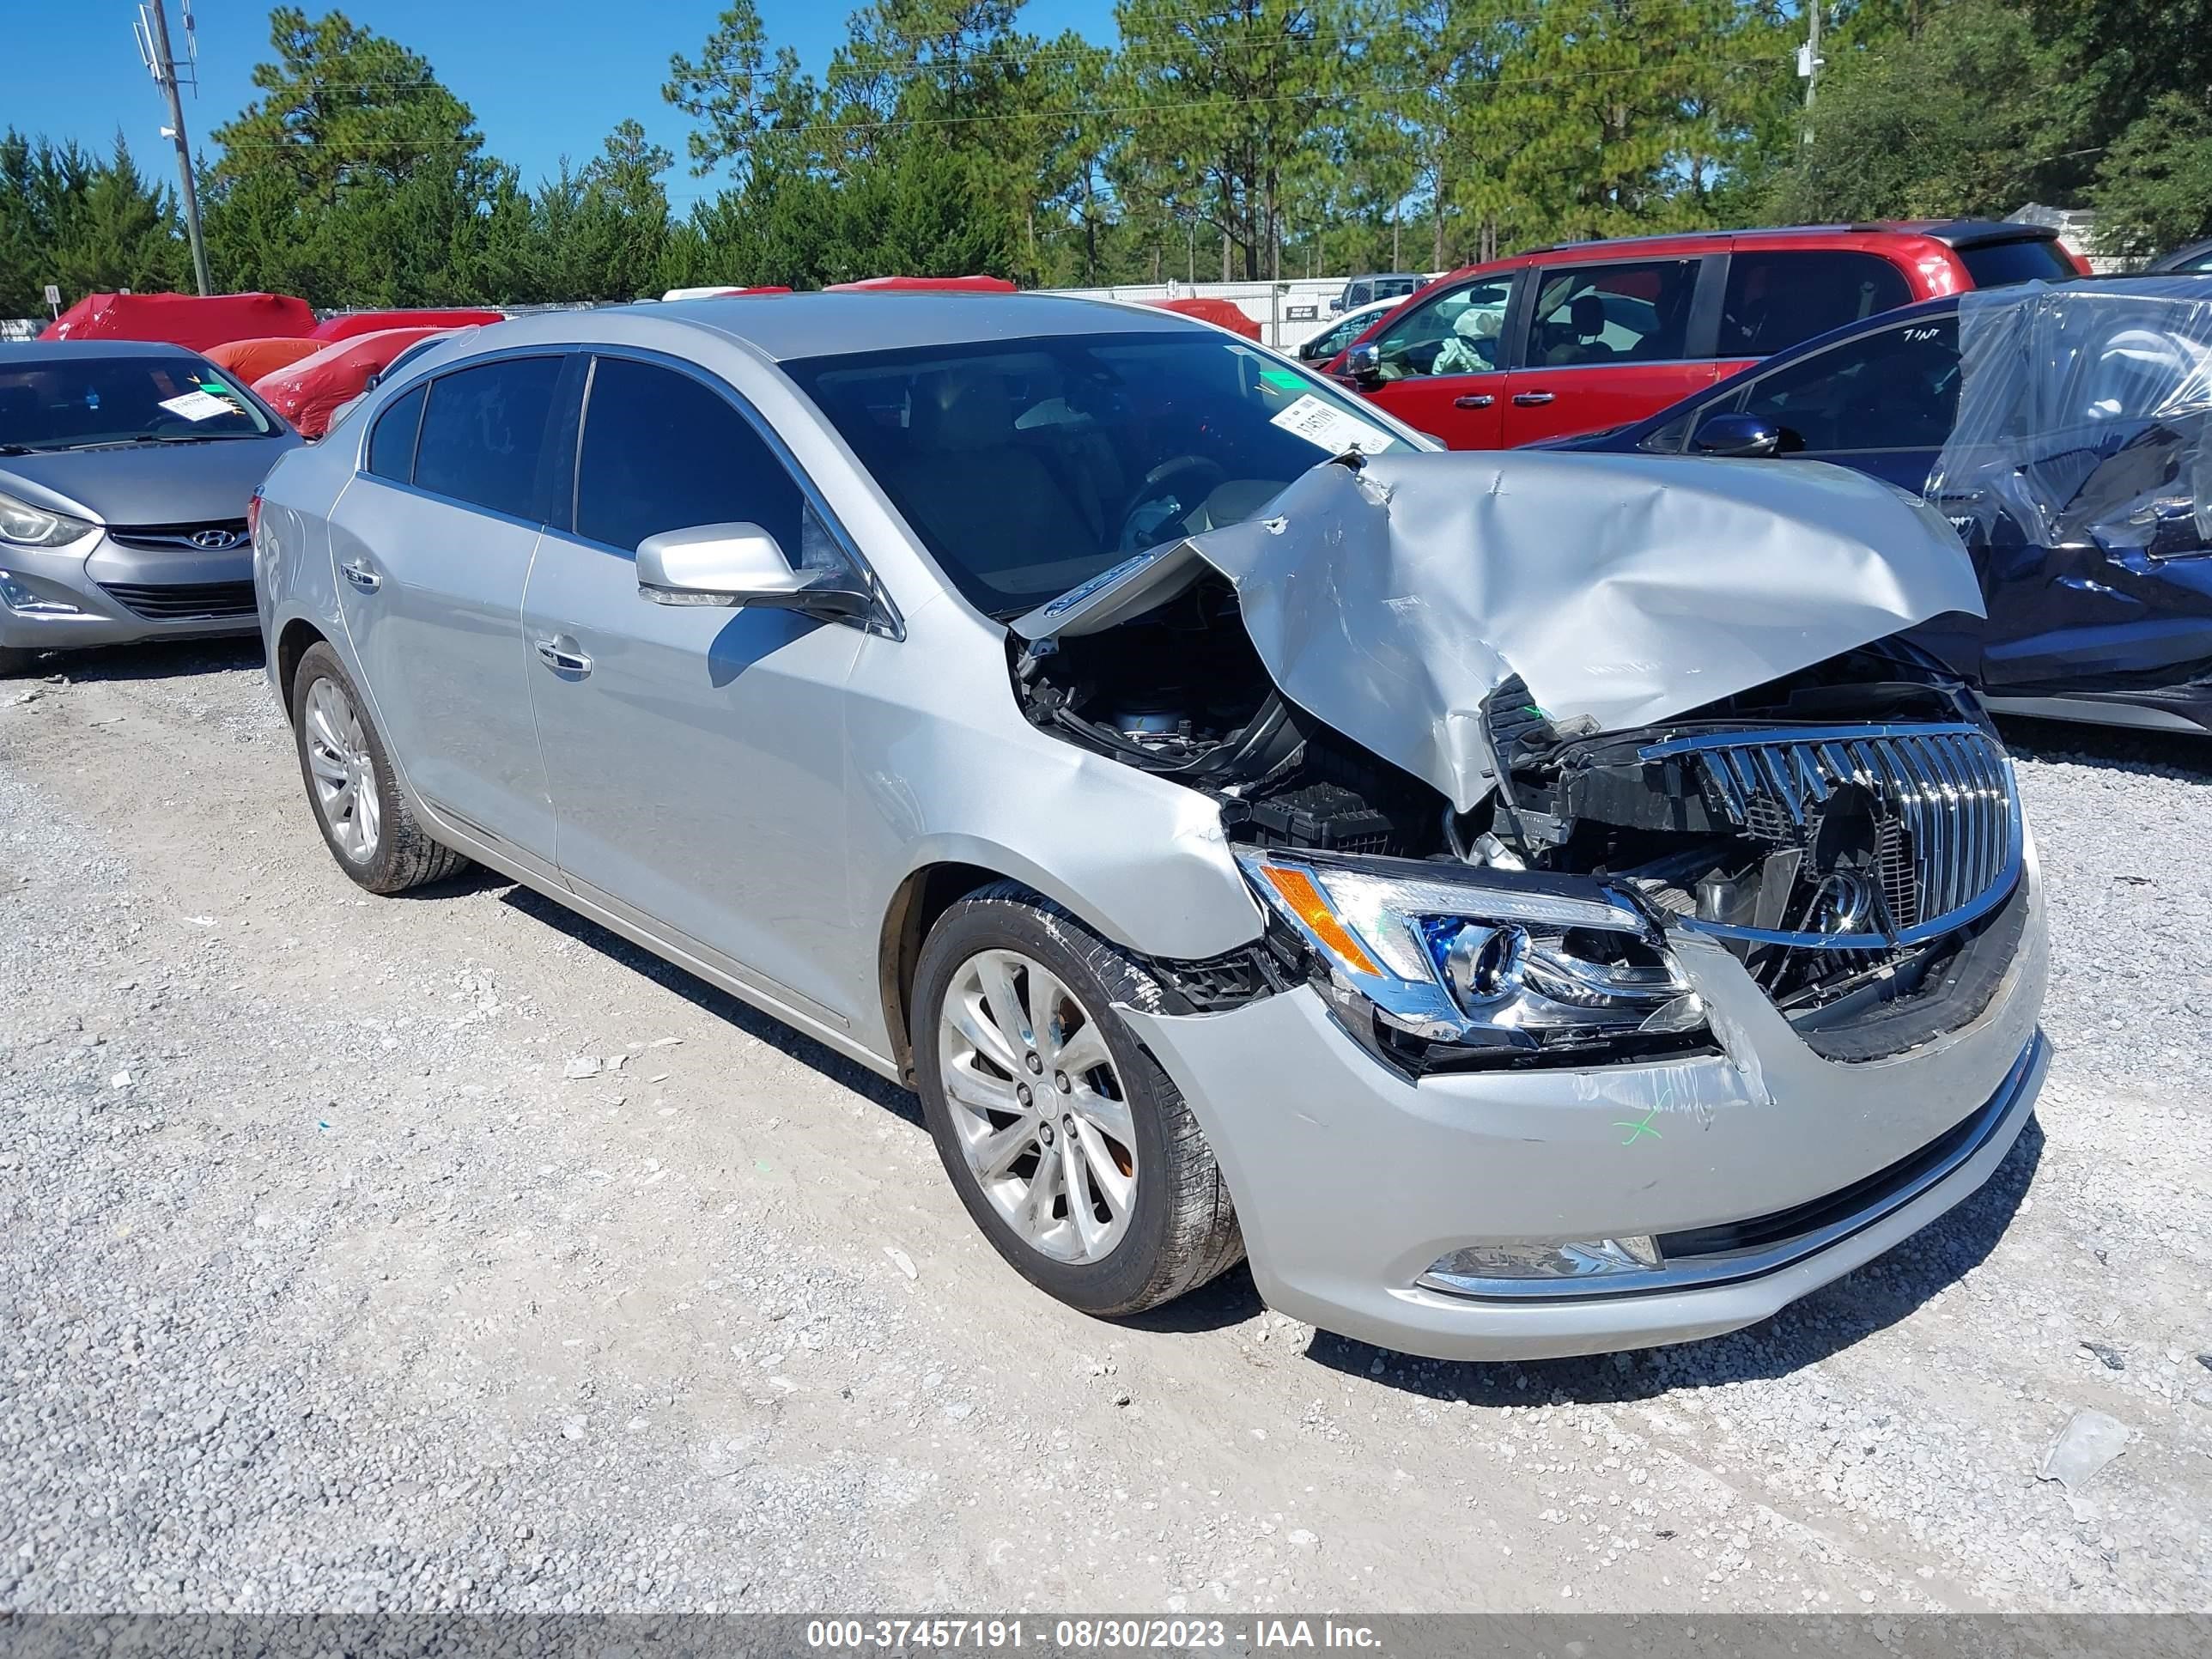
<point x="1332" y="429"/>
<point x="199" y="405"/>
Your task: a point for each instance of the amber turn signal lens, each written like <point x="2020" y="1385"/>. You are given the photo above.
<point x="1307" y="904"/>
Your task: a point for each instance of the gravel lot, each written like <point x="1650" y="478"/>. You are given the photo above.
<point x="327" y="1285"/>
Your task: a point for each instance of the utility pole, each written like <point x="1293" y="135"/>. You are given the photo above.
<point x="1809" y="61"/>
<point x="153" y="33"/>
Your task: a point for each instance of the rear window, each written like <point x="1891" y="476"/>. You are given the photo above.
<point x="2037" y="258"/>
<point x="391" y="443"/>
<point x="1778" y="299"/>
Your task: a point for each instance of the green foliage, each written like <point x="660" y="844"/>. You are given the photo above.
<point x="2155" y="190"/>
<point x="1959" y="119"/>
<point x="82" y="224"/>
<point x="1246" y="137"/>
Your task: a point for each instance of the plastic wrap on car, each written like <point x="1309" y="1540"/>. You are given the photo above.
<point x="2123" y="370"/>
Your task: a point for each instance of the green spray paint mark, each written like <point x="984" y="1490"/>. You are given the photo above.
<point x="1637" y="1130"/>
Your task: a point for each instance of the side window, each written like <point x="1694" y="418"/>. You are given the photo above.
<point x="1460" y="331"/>
<point x="1776" y="300"/>
<point x="392" y="444"/>
<point x="1627" y="313"/>
<point x="662" y="451"/>
<point x="1896" y="388"/>
<point x="484" y="434"/>
<point x="1356" y="294"/>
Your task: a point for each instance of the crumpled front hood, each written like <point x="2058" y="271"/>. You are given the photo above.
<point x="1390" y="601"/>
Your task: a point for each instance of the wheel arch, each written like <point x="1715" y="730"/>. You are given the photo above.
<point x="293" y="642"/>
<point x="946" y="870"/>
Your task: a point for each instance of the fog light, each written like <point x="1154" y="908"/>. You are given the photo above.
<point x="1537" y="1268"/>
<point x="20" y="597"/>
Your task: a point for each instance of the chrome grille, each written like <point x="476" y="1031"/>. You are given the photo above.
<point x="1948" y="789"/>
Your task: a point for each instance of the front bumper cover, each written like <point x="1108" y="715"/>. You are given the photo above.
<point x="1351" y="1181"/>
<point x="80" y="573"/>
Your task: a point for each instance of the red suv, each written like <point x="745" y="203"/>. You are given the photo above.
<point x="1591" y="335"/>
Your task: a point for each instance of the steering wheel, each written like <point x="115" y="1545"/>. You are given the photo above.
<point x="1162" y="486"/>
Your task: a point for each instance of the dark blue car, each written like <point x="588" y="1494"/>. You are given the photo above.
<point x="2068" y="442"/>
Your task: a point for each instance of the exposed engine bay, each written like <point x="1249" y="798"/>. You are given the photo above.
<point x="1790" y="820"/>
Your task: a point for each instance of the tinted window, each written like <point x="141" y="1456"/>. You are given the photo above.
<point x="392" y="444"/>
<point x="1996" y="263"/>
<point x="1897" y="388"/>
<point x="664" y="451"/>
<point x="483" y="434"/>
<point x="1597" y="314"/>
<point x="1459" y="331"/>
<point x="56" y="402"/>
<point x="1777" y="299"/>
<point x="1028" y="466"/>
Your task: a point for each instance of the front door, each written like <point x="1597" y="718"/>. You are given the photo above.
<point x="696" y="755"/>
<point x="1606" y="344"/>
<point x="1441" y="364"/>
<point x="433" y="543"/>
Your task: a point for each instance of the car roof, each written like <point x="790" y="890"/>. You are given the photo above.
<point x="1954" y="233"/>
<point x="80" y="349"/>
<point x="784" y="326"/>
<point x="2170" y="261"/>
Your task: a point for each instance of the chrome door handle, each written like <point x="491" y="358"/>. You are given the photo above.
<point x="560" y="655"/>
<point x="1474" y="400"/>
<point x="359" y="572"/>
<point x="1532" y="399"/>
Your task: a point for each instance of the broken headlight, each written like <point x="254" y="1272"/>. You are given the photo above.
<point x="1505" y="966"/>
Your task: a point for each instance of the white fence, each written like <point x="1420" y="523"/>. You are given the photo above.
<point x="1288" y="312"/>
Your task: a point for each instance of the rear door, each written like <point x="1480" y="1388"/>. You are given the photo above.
<point x="1443" y="363"/>
<point x="1775" y="299"/>
<point x="695" y="754"/>
<point x="1608" y="344"/>
<point x="432" y="542"/>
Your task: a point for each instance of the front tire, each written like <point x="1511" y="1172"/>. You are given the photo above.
<point x="366" y="819"/>
<point x="1070" y="1146"/>
<point x="15" y="660"/>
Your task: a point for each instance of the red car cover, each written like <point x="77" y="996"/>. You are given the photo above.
<point x="924" y="284"/>
<point x="352" y="323"/>
<point x="249" y="360"/>
<point x="309" y="392"/>
<point x="1226" y="312"/>
<point x="183" y="319"/>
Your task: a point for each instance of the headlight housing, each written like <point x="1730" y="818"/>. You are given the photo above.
<point x="1508" y="968"/>
<point x="35" y="526"/>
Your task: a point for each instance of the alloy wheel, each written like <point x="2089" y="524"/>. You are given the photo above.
<point x="1038" y="1105"/>
<point x="344" y="771"/>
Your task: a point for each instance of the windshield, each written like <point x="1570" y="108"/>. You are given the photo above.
<point x="1028" y="466"/>
<point x="62" y="402"/>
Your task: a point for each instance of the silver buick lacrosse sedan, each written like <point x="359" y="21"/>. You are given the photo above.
<point x="1528" y="904"/>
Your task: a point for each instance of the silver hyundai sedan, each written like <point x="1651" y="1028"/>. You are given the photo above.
<point x="1529" y="904"/>
<point x="125" y="471"/>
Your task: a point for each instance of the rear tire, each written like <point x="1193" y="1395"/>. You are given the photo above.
<point x="367" y="820"/>
<point x="1133" y="1210"/>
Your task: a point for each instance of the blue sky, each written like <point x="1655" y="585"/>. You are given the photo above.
<point x="554" y="86"/>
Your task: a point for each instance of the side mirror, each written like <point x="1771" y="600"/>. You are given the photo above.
<point x="736" y="566"/>
<point x="1736" y="435"/>
<point x="376" y="378"/>
<point x="1364" y="363"/>
<point x="1335" y="304"/>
